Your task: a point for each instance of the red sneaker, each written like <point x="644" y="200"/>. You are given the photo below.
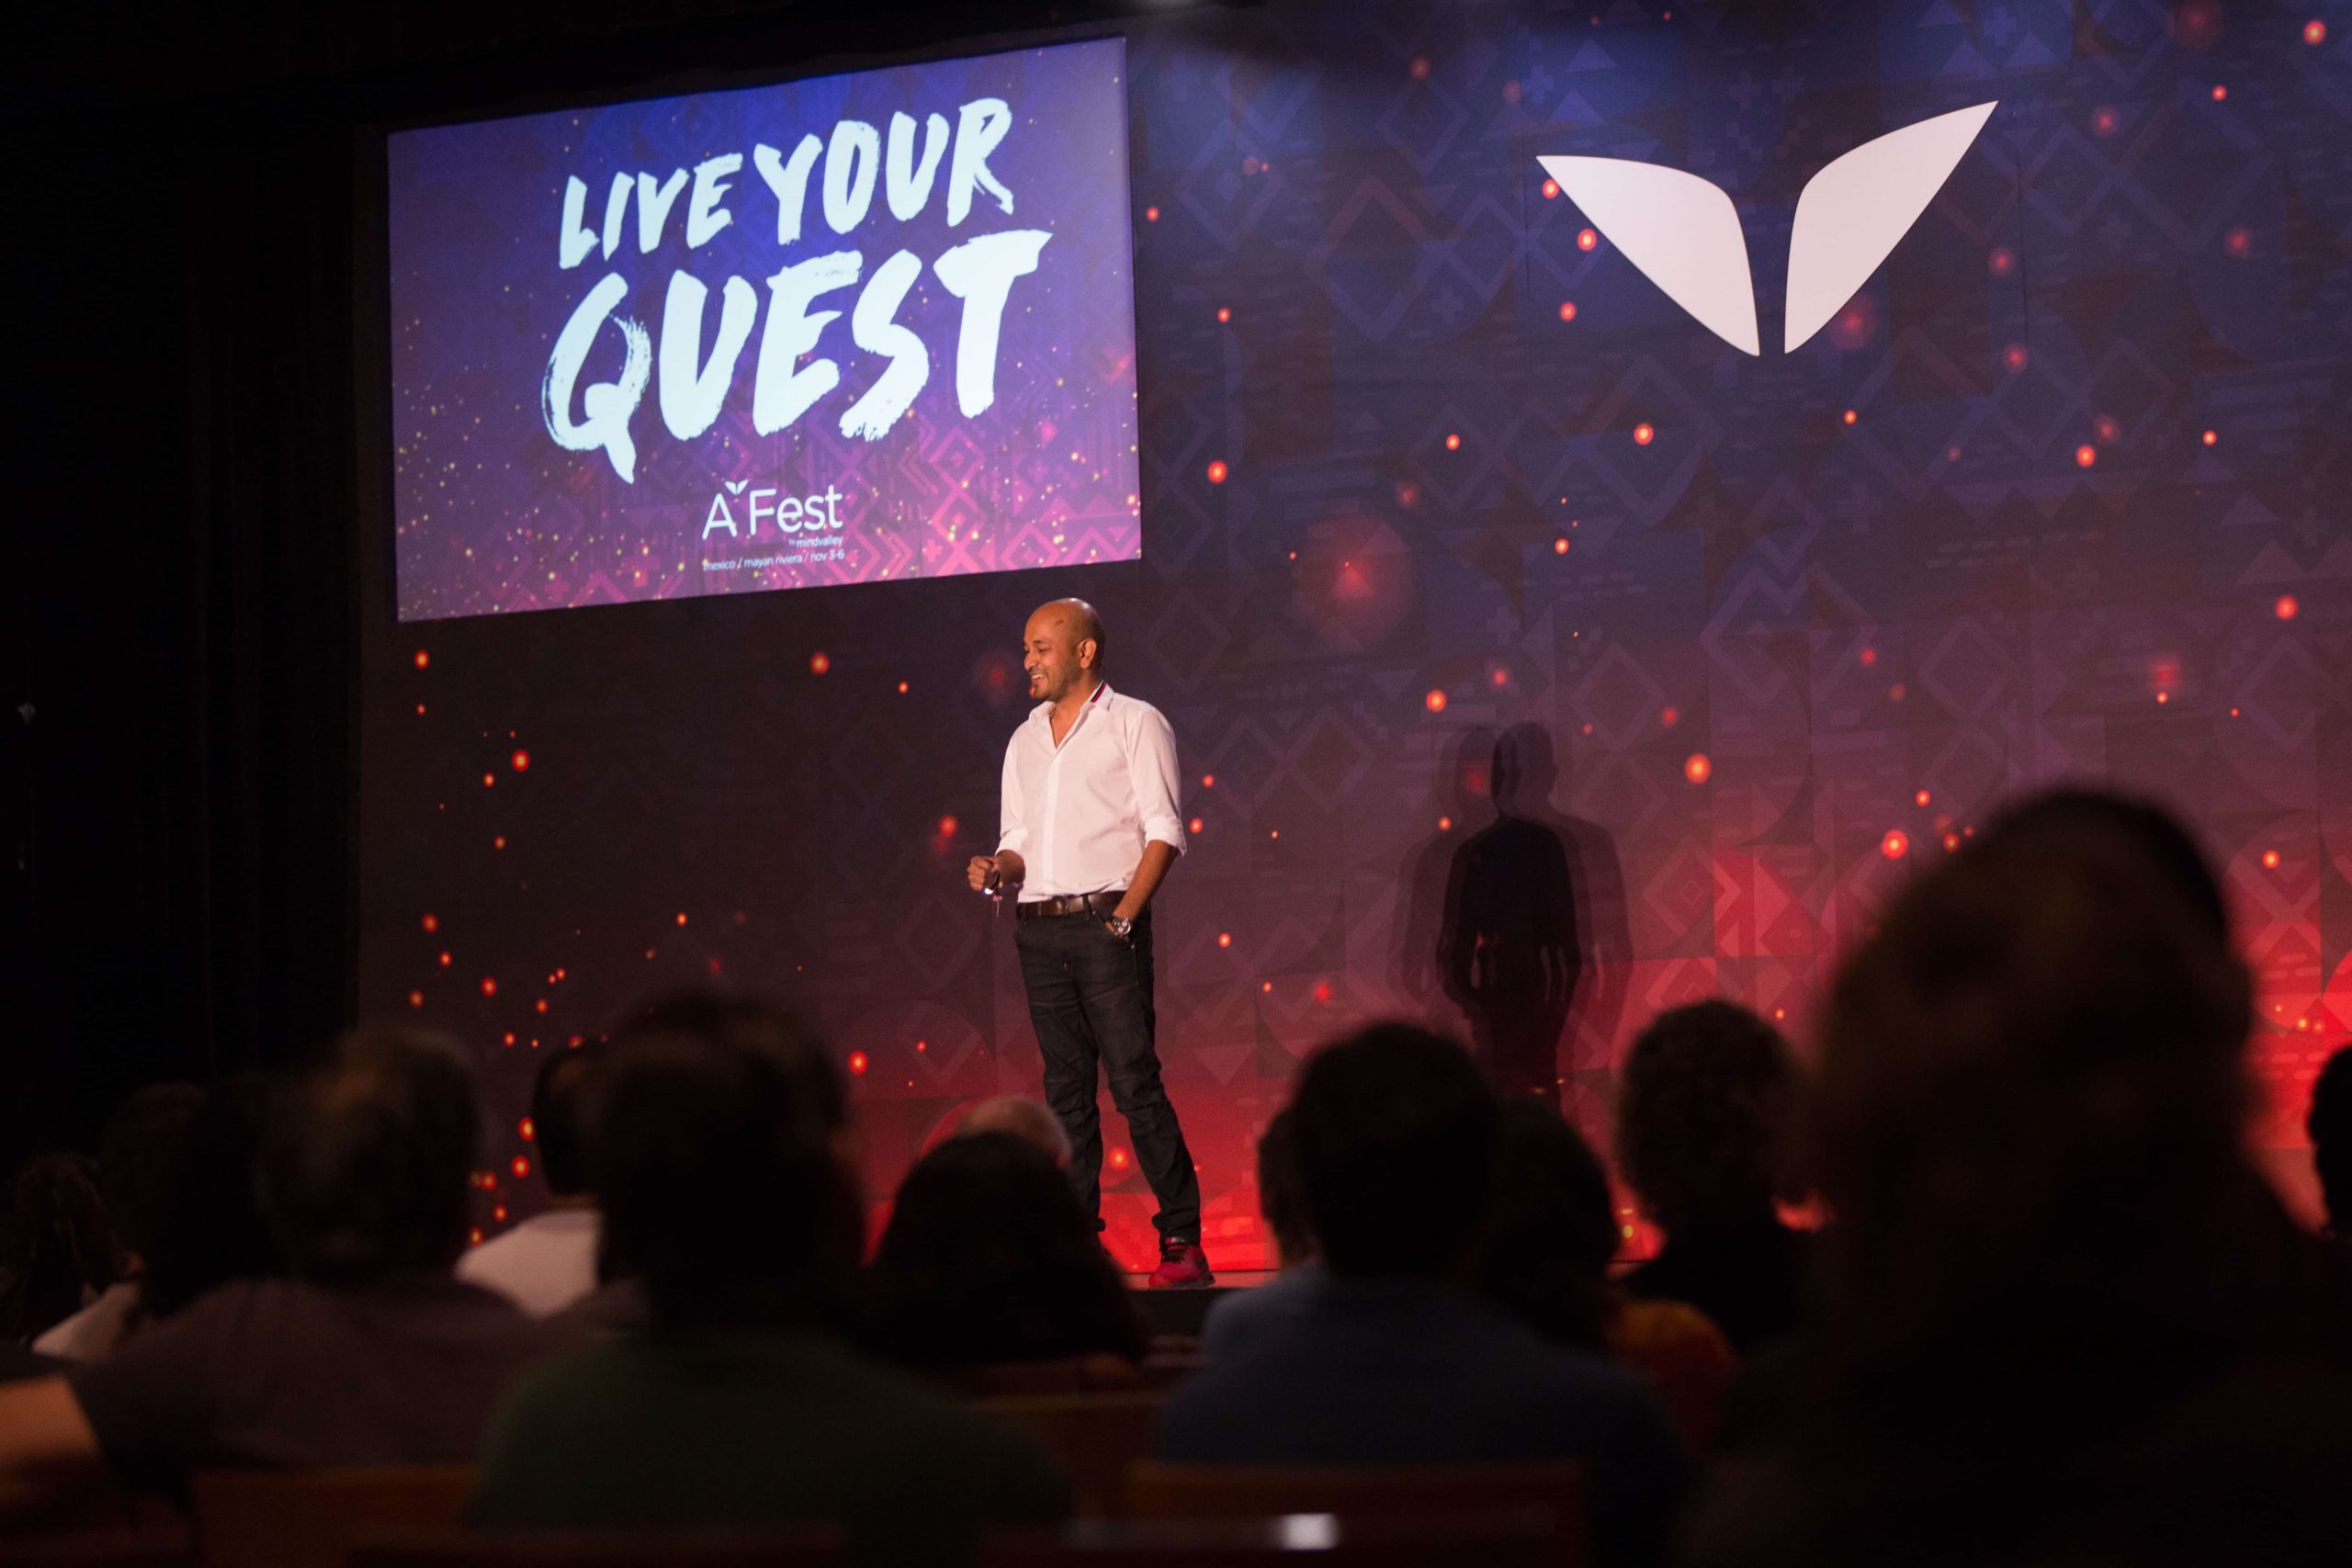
<point x="1183" y="1267"/>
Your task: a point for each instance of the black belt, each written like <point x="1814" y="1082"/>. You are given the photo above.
<point x="1069" y="904"/>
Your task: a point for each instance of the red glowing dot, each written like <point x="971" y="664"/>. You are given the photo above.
<point x="1194" y="825"/>
<point x="1453" y="442"/>
<point x="1560" y="547"/>
<point x="1669" y="716"/>
<point x="498" y="1212"/>
<point x="2213" y="437"/>
<point x="499" y="843"/>
<point x="423" y="658"/>
<point x="2002" y="262"/>
<point x="1217" y="470"/>
<point x="1435" y="701"/>
<point x="2085" y="456"/>
<point x="1586" y="239"/>
<point x="432" y="922"/>
<point x="489" y="780"/>
<point x="2238" y="243"/>
<point x="1951" y="843"/>
<point x="540" y="1006"/>
<point x="1501" y="677"/>
<point x="1420" y="68"/>
<point x="473" y="1238"/>
<point x="1208" y="781"/>
<point x="444" y="960"/>
<point x="1551" y="189"/>
<point x="528" y="1128"/>
<point x="1869" y="657"/>
<point x="1921" y="798"/>
<point x="1697" y="768"/>
<point x="1445" y="824"/>
<point x="2219" y="93"/>
<point x="1644" y="435"/>
<point x="1323" y="992"/>
<point x="2103" y="121"/>
<point x="857" y="1064"/>
<point x="1224" y="938"/>
<point x="2106" y="429"/>
<point x="2286" y="608"/>
<point x="2270" y="860"/>
<point x="509" y="1040"/>
<point x="489" y="986"/>
<point x="819" y="664"/>
<point x="922" y="1046"/>
<point x="522" y="761"/>
<point x="1118" y="1160"/>
<point x="1567" y="310"/>
<point x="1225" y="312"/>
<point x="681" y="917"/>
<point x="419" y="710"/>
<point x="2163" y="697"/>
<point x="1851" y="416"/>
<point x="1896" y="692"/>
<point x="1895" y="845"/>
<point x="2314" y="32"/>
<point x="521" y="1166"/>
<point x="2015" y="357"/>
<point x="416" y="998"/>
<point x="1273" y="832"/>
<point x="902" y="688"/>
<point x="1151" y="215"/>
<point x="1265" y="986"/>
<point x="947" y="827"/>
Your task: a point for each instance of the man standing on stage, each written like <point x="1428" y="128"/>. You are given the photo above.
<point x="1089" y="830"/>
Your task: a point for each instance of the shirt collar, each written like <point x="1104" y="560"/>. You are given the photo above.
<point x="1043" y="712"/>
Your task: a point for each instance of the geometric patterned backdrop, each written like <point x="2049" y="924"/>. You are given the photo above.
<point x="2060" y="494"/>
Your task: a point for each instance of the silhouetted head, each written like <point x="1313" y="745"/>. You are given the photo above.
<point x="1396" y="1143"/>
<point x="139" y="1157"/>
<point x="368" y="1175"/>
<point x="758" y="1024"/>
<point x="1703" y="1105"/>
<point x="1525" y="770"/>
<point x="1551" y="1228"/>
<point x="2330" y="1126"/>
<point x="1031" y="1120"/>
<point x="2030" y="1083"/>
<point x="1061" y="649"/>
<point x="1282" y="1190"/>
<point x="559" y="1109"/>
<point x="988" y="1260"/>
<point x="2163" y="845"/>
<point x="711" y="1152"/>
<point x="214" y="1228"/>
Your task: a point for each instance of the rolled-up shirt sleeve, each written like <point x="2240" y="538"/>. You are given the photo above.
<point x="1152" y="761"/>
<point x="1012" y="833"/>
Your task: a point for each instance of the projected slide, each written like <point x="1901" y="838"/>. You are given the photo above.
<point x="856" y="328"/>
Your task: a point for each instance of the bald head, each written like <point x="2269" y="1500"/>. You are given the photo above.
<point x="1061" y="649"/>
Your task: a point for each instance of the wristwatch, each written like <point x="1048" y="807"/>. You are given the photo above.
<point x="1124" y="930"/>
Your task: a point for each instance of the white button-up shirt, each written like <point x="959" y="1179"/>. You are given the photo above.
<point x="1080" y="814"/>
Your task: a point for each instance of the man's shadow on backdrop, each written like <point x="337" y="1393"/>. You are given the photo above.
<point x="1516" y="919"/>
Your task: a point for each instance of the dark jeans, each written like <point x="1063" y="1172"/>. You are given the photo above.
<point x="1089" y="996"/>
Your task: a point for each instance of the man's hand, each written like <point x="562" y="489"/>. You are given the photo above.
<point x="990" y="873"/>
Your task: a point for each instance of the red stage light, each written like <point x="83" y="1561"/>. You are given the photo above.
<point x="1194" y="825"/>
<point x="1697" y="768"/>
<point x="2286" y="608"/>
<point x="1224" y="938"/>
<point x="2211" y="437"/>
<point x="1223" y="313"/>
<point x="433" y="922"/>
<point x="1643" y="434"/>
<point x="1921" y="798"/>
<point x="2314" y="32"/>
<point x="489" y="986"/>
<point x="1217" y="471"/>
<point x="1586" y="239"/>
<point x="2270" y="860"/>
<point x="2085" y="456"/>
<point x="1895" y="845"/>
<point x="416" y="998"/>
<point x="1551" y="189"/>
<point x="1151" y="215"/>
<point x="857" y="1064"/>
<point x="1560" y="547"/>
<point x="527" y="1129"/>
<point x="947" y="827"/>
<point x="1502" y="677"/>
<point x="1435" y="701"/>
<point x="1567" y="310"/>
<point x="1445" y="824"/>
<point x="1208" y="781"/>
<point x="489" y="780"/>
<point x="2219" y="93"/>
<point x="819" y="664"/>
<point x="1453" y="442"/>
<point x="522" y="761"/>
<point x="681" y="917"/>
<point x="1851" y="416"/>
<point x="423" y="658"/>
<point x="1669" y="716"/>
<point x="444" y="960"/>
<point x="521" y="1168"/>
